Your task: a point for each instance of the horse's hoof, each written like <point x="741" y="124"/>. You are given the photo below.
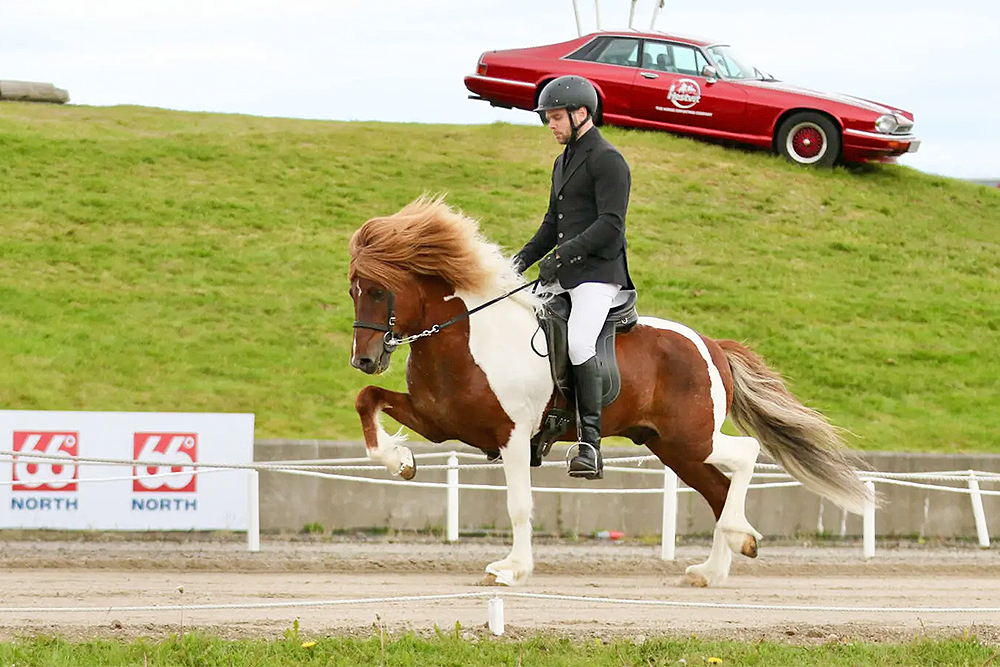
<point x="693" y="579"/>
<point x="407" y="464"/>
<point x="749" y="547"/>
<point x="500" y="577"/>
<point x="489" y="580"/>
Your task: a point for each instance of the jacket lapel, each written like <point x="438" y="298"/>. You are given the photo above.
<point x="557" y="175"/>
<point x="579" y="157"/>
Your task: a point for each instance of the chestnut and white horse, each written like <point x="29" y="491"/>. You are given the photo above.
<point x="478" y="380"/>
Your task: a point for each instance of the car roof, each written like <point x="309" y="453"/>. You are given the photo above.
<point x="693" y="41"/>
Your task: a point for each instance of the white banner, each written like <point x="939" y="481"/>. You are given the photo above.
<point x="166" y="494"/>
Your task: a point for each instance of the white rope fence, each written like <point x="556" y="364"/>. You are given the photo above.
<point x="495" y="606"/>
<point x="341" y="469"/>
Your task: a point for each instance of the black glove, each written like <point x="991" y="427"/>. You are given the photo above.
<point x="547" y="268"/>
<point x="518" y="263"/>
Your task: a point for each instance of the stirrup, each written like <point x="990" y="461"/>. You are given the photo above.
<point x="597" y="472"/>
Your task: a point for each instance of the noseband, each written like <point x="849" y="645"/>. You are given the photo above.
<point x="392" y="340"/>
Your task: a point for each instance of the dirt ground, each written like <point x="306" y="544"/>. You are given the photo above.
<point x="115" y="572"/>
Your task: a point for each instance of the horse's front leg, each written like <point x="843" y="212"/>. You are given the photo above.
<point x="383" y="447"/>
<point x="517" y="567"/>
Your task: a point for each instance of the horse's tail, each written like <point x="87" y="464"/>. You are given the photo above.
<point x="798" y="438"/>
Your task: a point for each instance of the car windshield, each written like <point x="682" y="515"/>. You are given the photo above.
<point x="732" y="66"/>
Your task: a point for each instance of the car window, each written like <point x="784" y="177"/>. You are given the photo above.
<point x="658" y="56"/>
<point x="687" y="60"/>
<point x="668" y="57"/>
<point x="730" y="65"/>
<point x="610" y="50"/>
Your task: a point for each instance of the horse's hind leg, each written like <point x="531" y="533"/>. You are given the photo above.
<point x="713" y="486"/>
<point x="739" y="454"/>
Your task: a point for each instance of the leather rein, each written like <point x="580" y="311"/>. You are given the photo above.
<point x="393" y="340"/>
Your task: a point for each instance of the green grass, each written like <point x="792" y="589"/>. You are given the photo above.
<point x="170" y="261"/>
<point x="452" y="649"/>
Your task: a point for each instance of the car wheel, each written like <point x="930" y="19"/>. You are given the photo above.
<point x="809" y="138"/>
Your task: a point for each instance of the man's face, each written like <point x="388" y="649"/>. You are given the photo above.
<point x="559" y="123"/>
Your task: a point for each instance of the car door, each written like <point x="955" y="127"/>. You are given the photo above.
<point x="670" y="90"/>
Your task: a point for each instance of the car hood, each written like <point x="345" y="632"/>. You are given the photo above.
<point x="832" y="97"/>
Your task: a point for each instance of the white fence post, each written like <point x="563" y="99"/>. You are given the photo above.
<point x="253" y="505"/>
<point x="869" y="519"/>
<point x="668" y="539"/>
<point x="977" y="511"/>
<point x="453" y="497"/>
<point x="495" y="615"/>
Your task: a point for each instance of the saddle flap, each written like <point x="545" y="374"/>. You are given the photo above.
<point x="553" y="322"/>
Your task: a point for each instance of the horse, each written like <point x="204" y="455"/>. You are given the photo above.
<point x="422" y="275"/>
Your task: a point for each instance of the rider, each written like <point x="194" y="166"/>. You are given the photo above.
<point x="585" y="223"/>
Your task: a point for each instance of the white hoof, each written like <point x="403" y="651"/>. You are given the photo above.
<point x="702" y="576"/>
<point x="407" y="464"/>
<point x="742" y="539"/>
<point x="508" y="573"/>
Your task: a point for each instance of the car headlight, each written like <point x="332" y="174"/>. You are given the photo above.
<point x="886" y="124"/>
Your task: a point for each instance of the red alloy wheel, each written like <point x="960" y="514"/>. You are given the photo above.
<point x="808" y="141"/>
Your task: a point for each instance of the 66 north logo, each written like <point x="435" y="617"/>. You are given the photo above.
<point x="160" y="450"/>
<point x="40" y="474"/>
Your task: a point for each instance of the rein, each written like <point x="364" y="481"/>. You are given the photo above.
<point x="393" y="340"/>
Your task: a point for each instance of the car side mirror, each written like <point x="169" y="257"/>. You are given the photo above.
<point x="710" y="73"/>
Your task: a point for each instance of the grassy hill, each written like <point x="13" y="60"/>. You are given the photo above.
<point x="157" y="260"/>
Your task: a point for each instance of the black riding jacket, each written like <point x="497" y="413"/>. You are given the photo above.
<point x="586" y="215"/>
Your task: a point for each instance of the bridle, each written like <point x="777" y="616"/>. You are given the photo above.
<point x="392" y="340"/>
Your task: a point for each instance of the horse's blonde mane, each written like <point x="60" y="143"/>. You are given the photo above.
<point x="428" y="237"/>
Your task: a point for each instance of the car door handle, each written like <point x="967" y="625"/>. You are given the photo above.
<point x="650" y="75"/>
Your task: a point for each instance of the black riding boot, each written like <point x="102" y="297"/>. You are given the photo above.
<point x="588" y="462"/>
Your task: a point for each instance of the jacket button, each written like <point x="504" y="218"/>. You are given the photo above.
<point x="560" y="216"/>
<point x="561" y="235"/>
<point x="560" y="197"/>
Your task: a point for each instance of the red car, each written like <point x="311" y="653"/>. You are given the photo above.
<point x="689" y="86"/>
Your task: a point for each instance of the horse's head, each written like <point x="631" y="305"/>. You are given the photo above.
<point x="395" y="262"/>
<point x="375" y="317"/>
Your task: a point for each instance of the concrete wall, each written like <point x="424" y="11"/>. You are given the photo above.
<point x="288" y="502"/>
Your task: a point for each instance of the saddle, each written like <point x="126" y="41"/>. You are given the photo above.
<point x="552" y="320"/>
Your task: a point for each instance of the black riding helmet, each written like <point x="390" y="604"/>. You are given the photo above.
<point x="570" y="93"/>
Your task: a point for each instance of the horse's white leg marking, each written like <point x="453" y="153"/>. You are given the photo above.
<point x="516" y="568"/>
<point x="390" y="450"/>
<point x="715" y="570"/>
<point x="739" y="454"/>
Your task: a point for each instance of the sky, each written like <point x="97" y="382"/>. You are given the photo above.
<point x="399" y="61"/>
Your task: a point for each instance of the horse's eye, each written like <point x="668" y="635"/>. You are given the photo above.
<point x="377" y="294"/>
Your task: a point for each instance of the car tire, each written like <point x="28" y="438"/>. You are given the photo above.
<point x="809" y="138"/>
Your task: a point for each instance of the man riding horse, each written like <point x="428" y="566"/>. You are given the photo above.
<point x="585" y="223"/>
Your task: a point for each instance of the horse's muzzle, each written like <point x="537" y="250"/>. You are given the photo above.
<point x="365" y="365"/>
<point x="373" y="365"/>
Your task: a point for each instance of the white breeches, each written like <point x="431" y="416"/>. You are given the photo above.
<point x="591" y="303"/>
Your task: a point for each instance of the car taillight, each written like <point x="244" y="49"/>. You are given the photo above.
<point x="481" y="69"/>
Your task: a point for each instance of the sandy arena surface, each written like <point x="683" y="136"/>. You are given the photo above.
<point x="117" y="572"/>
